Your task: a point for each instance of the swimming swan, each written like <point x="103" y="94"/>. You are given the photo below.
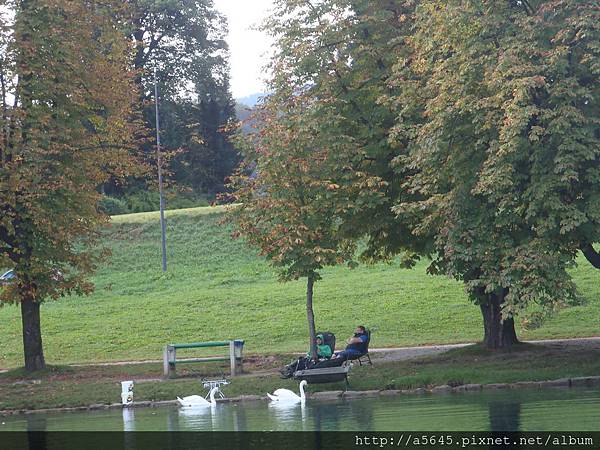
<point x="197" y="400"/>
<point x="287" y="396"/>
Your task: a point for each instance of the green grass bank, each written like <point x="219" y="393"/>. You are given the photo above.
<point x="217" y="288"/>
<point x="70" y="386"/>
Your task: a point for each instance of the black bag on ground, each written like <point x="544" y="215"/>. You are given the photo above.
<point x="335" y="362"/>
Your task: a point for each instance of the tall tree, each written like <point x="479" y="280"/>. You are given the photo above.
<point x="562" y="123"/>
<point x="185" y="41"/>
<point x="341" y="54"/>
<point x="440" y="100"/>
<point x="289" y="205"/>
<point x="334" y="58"/>
<point x="507" y="156"/>
<point x="207" y="156"/>
<point x="67" y="121"/>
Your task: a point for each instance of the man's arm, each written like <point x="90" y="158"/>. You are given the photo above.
<point x="354" y="340"/>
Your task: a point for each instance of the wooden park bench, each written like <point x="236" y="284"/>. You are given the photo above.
<point x="324" y="375"/>
<point x="234" y="357"/>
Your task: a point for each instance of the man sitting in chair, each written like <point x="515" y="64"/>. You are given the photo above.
<point x="357" y="345"/>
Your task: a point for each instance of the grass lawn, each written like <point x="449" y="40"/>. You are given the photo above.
<point x="216" y="288"/>
<point x="83" y="386"/>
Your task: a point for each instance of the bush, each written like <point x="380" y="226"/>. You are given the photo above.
<point x="112" y="206"/>
<point x="146" y="201"/>
<point x="143" y="201"/>
<point x="180" y="200"/>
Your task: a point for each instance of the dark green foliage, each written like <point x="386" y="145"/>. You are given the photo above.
<point x="507" y="155"/>
<point x="476" y="124"/>
<point x="112" y="206"/>
<point x="184" y="41"/>
<point x="146" y="201"/>
<point x="201" y="132"/>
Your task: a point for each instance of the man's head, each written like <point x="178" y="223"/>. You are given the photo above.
<point x="319" y="339"/>
<point x="360" y="330"/>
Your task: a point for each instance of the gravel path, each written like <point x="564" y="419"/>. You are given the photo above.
<point x="404" y="353"/>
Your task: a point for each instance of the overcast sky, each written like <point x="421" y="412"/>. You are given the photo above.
<point x="248" y="47"/>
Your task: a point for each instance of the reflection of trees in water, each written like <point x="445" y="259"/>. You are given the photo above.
<point x="505" y="416"/>
<point x="332" y="416"/>
<point x="36" y="432"/>
<point x="325" y="416"/>
<point x="240" y="421"/>
<point x="172" y="425"/>
<point x="362" y="412"/>
<point x="287" y="416"/>
<point x="173" y="419"/>
<point x="229" y="417"/>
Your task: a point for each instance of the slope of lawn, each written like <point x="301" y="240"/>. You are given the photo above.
<point x="217" y="288"/>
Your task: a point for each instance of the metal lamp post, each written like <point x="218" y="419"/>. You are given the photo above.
<point x="163" y="224"/>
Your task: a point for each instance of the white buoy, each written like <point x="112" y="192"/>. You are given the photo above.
<point x="126" y="386"/>
<point x="127" y="392"/>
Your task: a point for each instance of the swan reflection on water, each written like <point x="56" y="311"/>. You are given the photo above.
<point x="289" y="415"/>
<point x="196" y="418"/>
<point x="216" y="418"/>
<point x="192" y="412"/>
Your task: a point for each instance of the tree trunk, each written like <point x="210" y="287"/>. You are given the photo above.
<point x="311" y="317"/>
<point x="32" y="334"/>
<point x="498" y="333"/>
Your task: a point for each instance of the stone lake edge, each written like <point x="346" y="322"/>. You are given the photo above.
<point x="334" y="395"/>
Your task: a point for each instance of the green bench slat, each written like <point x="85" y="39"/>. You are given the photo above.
<point x="170" y="359"/>
<point x="201" y="344"/>
<point x="215" y="358"/>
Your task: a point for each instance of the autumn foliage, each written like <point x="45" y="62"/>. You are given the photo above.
<point x="463" y="131"/>
<point x="66" y="125"/>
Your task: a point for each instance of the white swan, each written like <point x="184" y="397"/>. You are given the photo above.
<point x="194" y="401"/>
<point x="287" y="396"/>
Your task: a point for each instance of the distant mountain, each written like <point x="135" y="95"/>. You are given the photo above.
<point x="243" y="113"/>
<point x="251" y="100"/>
<point x="244" y="107"/>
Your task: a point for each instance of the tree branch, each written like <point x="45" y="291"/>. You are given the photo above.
<point x="590" y="254"/>
<point x="528" y="7"/>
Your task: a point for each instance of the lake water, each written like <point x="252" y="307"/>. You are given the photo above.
<point x="502" y="410"/>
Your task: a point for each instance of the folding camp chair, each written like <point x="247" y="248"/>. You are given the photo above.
<point x="366" y="353"/>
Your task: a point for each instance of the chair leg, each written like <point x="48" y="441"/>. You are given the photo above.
<point x="359" y="362"/>
<point x="370" y="362"/>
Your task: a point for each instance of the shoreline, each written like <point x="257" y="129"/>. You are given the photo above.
<point x="575" y="382"/>
<point x="470" y="368"/>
